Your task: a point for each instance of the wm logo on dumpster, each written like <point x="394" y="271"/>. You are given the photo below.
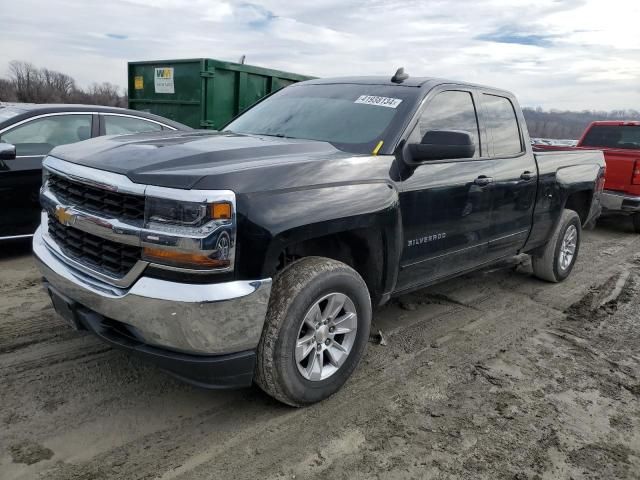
<point x="164" y="72"/>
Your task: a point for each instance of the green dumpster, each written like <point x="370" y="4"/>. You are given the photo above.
<point x="201" y="92"/>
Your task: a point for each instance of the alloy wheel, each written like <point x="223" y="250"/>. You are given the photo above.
<point x="326" y="336"/>
<point x="568" y="247"/>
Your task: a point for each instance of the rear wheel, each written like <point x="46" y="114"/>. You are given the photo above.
<point x="559" y="256"/>
<point x="636" y="222"/>
<point x="315" y="333"/>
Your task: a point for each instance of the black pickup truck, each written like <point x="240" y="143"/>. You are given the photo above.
<point x="257" y="253"/>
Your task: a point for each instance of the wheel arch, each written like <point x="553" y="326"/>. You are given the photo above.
<point x="580" y="201"/>
<point x="364" y="249"/>
<point x="577" y="185"/>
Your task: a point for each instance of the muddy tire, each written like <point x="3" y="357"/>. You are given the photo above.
<point x="636" y="222"/>
<point x="559" y="256"/>
<point x="311" y="342"/>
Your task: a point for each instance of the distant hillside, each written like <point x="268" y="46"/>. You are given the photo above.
<point x="569" y="125"/>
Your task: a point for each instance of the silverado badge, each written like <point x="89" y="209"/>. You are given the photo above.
<point x="427" y="239"/>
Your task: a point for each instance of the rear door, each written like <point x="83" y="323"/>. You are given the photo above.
<point x="21" y="178"/>
<point x="445" y="204"/>
<point x="515" y="175"/>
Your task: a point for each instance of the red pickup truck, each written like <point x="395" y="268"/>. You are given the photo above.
<point x="620" y="142"/>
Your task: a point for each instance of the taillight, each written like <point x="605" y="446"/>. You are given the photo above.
<point x="635" y="178"/>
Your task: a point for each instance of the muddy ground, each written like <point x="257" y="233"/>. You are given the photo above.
<point x="490" y="376"/>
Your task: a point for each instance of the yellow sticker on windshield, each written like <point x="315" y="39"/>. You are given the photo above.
<point x="378" y="147"/>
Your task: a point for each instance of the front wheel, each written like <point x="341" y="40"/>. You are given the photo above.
<point x="560" y="253"/>
<point x="315" y="333"/>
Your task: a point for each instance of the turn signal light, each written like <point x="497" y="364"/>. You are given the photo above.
<point x="221" y="211"/>
<point x="635" y="178"/>
<point x="181" y="259"/>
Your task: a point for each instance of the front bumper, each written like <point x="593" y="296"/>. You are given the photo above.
<point x="620" y="202"/>
<point x="193" y="319"/>
<point x="232" y="370"/>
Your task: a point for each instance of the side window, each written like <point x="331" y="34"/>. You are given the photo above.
<point x="502" y="125"/>
<point x="451" y="110"/>
<point x="39" y="136"/>
<point x="116" y="125"/>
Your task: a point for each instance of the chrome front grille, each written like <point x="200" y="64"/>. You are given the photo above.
<point x="94" y="220"/>
<point x="93" y="199"/>
<point x="112" y="258"/>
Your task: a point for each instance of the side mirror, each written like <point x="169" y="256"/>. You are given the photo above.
<point x="442" y="145"/>
<point x="7" y="151"/>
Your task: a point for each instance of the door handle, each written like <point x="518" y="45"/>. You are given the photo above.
<point x="483" y="180"/>
<point x="527" y="175"/>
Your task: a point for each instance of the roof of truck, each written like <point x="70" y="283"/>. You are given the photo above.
<point x="416" y="82"/>
<point x="386" y="80"/>
<point x="377" y="80"/>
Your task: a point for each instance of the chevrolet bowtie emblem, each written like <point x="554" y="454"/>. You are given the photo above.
<point x="63" y="216"/>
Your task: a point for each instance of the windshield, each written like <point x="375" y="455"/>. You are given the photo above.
<point x="8" y="112"/>
<point x="353" y="118"/>
<point x="613" y="136"/>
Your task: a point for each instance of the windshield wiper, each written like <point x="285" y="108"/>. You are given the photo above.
<point x="260" y="134"/>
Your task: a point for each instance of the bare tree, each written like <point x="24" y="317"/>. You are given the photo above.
<point x="99" y="94"/>
<point x="27" y="83"/>
<point x="104" y="93"/>
<point x="57" y="86"/>
<point x="7" y="91"/>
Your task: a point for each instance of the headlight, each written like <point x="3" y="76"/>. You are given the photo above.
<point x="175" y="212"/>
<point x="196" y="235"/>
<point x="186" y="214"/>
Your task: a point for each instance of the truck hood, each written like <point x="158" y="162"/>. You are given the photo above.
<point x="182" y="159"/>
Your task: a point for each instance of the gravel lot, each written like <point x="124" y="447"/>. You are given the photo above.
<point x="493" y="375"/>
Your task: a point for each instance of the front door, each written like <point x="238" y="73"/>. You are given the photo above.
<point x="445" y="204"/>
<point x="21" y="178"/>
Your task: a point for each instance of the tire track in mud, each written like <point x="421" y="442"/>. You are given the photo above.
<point x="26" y="316"/>
<point x="33" y="331"/>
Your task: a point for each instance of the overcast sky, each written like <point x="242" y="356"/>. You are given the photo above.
<point x="567" y="54"/>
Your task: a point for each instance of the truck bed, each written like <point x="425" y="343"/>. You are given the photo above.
<point x="551" y="160"/>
